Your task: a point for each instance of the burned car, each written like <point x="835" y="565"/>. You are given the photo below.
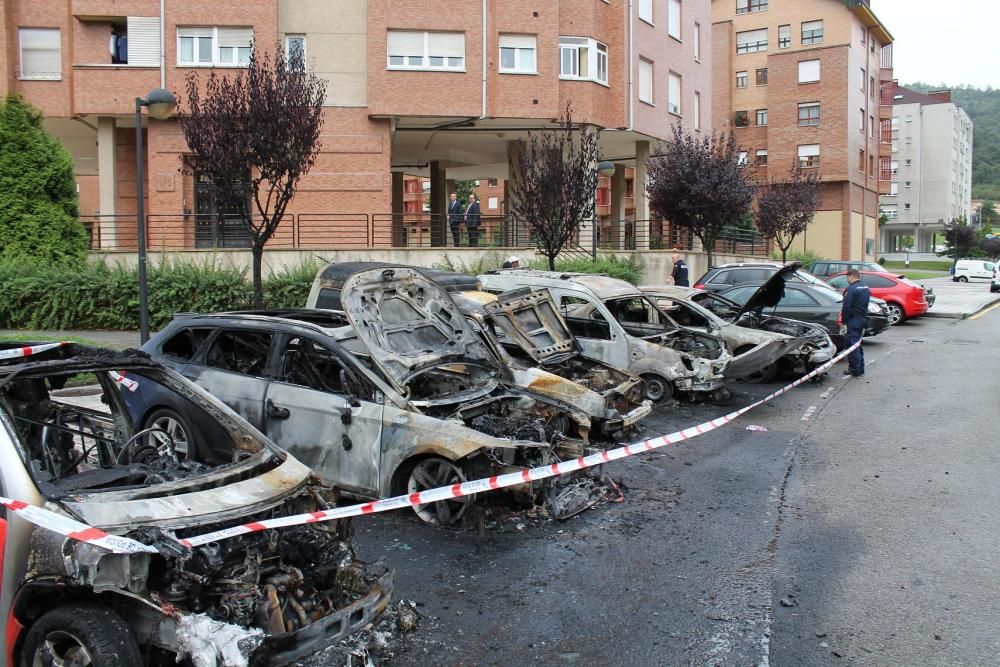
<point x="807" y="346"/>
<point x="617" y="324"/>
<point x="268" y="597"/>
<point x="397" y="395"/>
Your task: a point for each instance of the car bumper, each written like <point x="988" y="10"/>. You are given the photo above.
<point x="632" y="418"/>
<point x="696" y="385"/>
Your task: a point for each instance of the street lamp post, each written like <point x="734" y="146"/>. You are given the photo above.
<point x="161" y="104"/>
<point x="605" y="168"/>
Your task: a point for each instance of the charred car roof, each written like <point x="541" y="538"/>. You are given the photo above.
<point x="332" y="278"/>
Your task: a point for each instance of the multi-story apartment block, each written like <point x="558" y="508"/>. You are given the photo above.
<point x="438" y="89"/>
<point x="930" y="170"/>
<point x="801" y="84"/>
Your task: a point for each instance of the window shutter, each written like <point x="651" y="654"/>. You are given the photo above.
<point x="674" y="18"/>
<point x="674" y="94"/>
<point x="751" y="36"/>
<point x="446" y="44"/>
<point x="235" y="37"/>
<point x="144" y="40"/>
<point x="194" y="32"/>
<point x="808" y="71"/>
<point x="517" y="42"/>
<point x="646" y="10"/>
<point x="809" y="150"/>
<point x="646" y="81"/>
<point x="405" y="43"/>
<point x="812" y="25"/>
<point x="41" y="53"/>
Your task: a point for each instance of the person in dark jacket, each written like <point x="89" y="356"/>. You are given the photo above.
<point x="854" y="313"/>
<point x="472" y="220"/>
<point x="680" y="272"/>
<point x="455" y="215"/>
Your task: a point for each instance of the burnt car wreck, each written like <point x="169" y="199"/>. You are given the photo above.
<point x="262" y="598"/>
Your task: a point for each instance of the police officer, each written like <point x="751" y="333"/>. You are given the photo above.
<point x="680" y="272"/>
<point x="854" y="314"/>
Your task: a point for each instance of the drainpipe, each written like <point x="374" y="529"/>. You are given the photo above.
<point x="631" y="68"/>
<point x="486" y="42"/>
<point x="163" y="44"/>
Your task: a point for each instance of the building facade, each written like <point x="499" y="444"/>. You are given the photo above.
<point x="802" y="83"/>
<point x="438" y="90"/>
<point x="930" y="170"/>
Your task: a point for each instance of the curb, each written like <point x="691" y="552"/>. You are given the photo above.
<point x="963" y="315"/>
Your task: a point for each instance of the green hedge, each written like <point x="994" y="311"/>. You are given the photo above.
<point x="95" y="296"/>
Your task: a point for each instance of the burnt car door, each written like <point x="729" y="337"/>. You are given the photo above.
<point x="234" y="368"/>
<point x="322" y="412"/>
<point x="600" y="336"/>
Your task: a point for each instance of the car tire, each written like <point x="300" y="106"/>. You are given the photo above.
<point x="175" y="426"/>
<point x="431" y="473"/>
<point x="658" y="388"/>
<point x="962" y="279"/>
<point x="896" y="313"/>
<point x="85" y="634"/>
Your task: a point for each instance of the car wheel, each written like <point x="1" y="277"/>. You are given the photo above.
<point x="895" y="312"/>
<point x="171" y="430"/>
<point x="86" y="634"/>
<point x="431" y="473"/>
<point x="658" y="389"/>
<point x="963" y="279"/>
<point x="765" y="374"/>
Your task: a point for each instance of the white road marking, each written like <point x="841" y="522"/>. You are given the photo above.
<point x="826" y="394"/>
<point x="809" y="413"/>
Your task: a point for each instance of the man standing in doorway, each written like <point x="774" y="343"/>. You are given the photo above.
<point x="854" y="313"/>
<point x="472" y="220"/>
<point x="455" y="217"/>
<point x="680" y="272"/>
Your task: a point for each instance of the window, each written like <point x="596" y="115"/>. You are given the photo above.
<point x="674" y="18"/>
<point x="893" y="167"/>
<point x="243" y="352"/>
<point x="747" y="6"/>
<point x="645" y="81"/>
<point x="812" y="32"/>
<point x="861" y="120"/>
<point x="871" y="166"/>
<point x="646" y="10"/>
<point x="890" y="212"/>
<point x="893" y="189"/>
<point x="762" y="158"/>
<point x="492" y="182"/>
<point x="517" y="54"/>
<point x="184" y="344"/>
<point x="408" y="49"/>
<point x="41" y="53"/>
<point x="674" y="94"/>
<point x="742" y="79"/>
<point x="906" y="185"/>
<point x="796" y="297"/>
<point x="762" y="77"/>
<point x="784" y="36"/>
<point x="808" y="71"/>
<point x="809" y="155"/>
<point x="871" y="87"/>
<point x="906" y="206"/>
<point x="861" y="160"/>
<point x="697" y="42"/>
<point x="909" y="162"/>
<point x="871" y="126"/>
<point x="493" y="203"/>
<point x="761" y="117"/>
<point x="295" y="52"/>
<point x="583" y="58"/>
<point x="741" y="119"/>
<point x="741" y="159"/>
<point x="751" y="41"/>
<point x="876" y="281"/>
<point x="697" y="111"/>
<point x="864" y="77"/>
<point x="809" y="114"/>
<point x="214" y="47"/>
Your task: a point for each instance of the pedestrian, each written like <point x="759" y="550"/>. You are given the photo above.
<point x="472" y="220"/>
<point x="513" y="262"/>
<point x="854" y="313"/>
<point x="455" y="215"/>
<point x="680" y="272"/>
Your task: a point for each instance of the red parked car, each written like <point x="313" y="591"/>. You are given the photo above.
<point x="903" y="297"/>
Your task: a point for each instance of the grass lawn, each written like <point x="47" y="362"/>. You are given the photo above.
<point x="921" y="275"/>
<point x="928" y="265"/>
<point x="44" y="338"/>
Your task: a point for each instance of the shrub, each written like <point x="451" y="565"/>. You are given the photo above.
<point x="627" y="268"/>
<point x="807" y="257"/>
<point x="487" y="262"/>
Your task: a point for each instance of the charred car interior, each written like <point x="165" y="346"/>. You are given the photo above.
<point x="261" y="598"/>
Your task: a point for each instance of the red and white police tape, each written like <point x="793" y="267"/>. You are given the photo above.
<point x="28" y="350"/>
<point x="79" y="531"/>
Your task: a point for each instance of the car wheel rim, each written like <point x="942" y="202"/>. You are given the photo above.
<point x="173" y="428"/>
<point x="61" y="649"/>
<point x="895" y="314"/>
<point x="656" y="388"/>
<point x="431" y="474"/>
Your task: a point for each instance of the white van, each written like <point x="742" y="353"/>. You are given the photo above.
<point x="967" y="269"/>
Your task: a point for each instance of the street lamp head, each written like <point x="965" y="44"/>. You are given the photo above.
<point x="161" y="103"/>
<point x="606" y="168"/>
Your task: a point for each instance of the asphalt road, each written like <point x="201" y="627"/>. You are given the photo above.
<point x="860" y="527"/>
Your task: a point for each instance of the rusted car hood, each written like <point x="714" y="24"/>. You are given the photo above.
<point x="531" y="320"/>
<point x="408" y="323"/>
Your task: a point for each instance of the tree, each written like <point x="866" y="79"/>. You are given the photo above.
<point x="988" y="214"/>
<point x="555" y="188"/>
<point x="463" y="189"/>
<point x="38" y="200"/>
<point x="699" y="183"/>
<point x="991" y="247"/>
<point x="255" y="134"/>
<point x="959" y="239"/>
<point x="786" y="206"/>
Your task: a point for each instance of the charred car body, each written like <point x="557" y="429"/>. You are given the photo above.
<point x="807" y="346"/>
<point x="396" y="395"/>
<point x="263" y="598"/>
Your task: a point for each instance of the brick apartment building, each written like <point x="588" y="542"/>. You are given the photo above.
<point x="439" y="90"/>
<point x="808" y="83"/>
<point x="930" y="170"/>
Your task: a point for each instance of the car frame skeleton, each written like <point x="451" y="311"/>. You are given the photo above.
<point x="267" y="598"/>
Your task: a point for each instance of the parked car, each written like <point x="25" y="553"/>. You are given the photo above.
<point x="903" y="297"/>
<point x="227" y="603"/>
<point x="795" y="301"/>
<point x="395" y="395"/>
<point x="828" y="267"/>
<point x="973" y="269"/>
<point x="617" y="324"/>
<point x="807" y="346"/>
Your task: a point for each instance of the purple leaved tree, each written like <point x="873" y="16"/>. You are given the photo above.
<point x="786" y="206"/>
<point x="254" y="133"/>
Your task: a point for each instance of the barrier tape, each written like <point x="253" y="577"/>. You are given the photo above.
<point x="120" y="378"/>
<point x="118" y="544"/>
<point x="28" y="350"/>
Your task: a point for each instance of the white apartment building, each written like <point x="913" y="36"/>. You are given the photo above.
<point x="931" y="170"/>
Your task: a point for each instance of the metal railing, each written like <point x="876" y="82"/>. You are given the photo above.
<point x="658" y="234"/>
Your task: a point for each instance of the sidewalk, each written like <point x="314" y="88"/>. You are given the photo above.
<point x="959" y="300"/>
<point x="117" y="340"/>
